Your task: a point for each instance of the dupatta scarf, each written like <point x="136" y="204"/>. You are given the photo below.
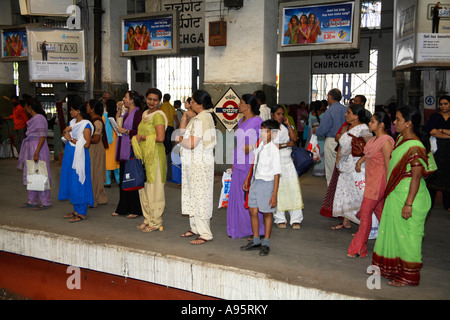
<point x="403" y="157"/>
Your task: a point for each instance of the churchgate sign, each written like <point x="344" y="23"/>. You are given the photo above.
<point x="192" y="21"/>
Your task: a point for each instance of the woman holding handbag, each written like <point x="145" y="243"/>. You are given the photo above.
<point x="377" y="153"/>
<point x="148" y="145"/>
<point x="35" y="147"/>
<point x="129" y="203"/>
<point x="350" y="184"/>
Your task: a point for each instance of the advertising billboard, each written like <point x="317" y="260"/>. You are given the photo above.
<point x="319" y="25"/>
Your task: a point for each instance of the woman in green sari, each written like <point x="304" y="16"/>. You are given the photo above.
<point x="398" y="248"/>
<point x="148" y="146"/>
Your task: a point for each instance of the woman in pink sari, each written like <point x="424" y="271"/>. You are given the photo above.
<point x="34" y="147"/>
<point x="377" y="153"/>
<point x="304" y="30"/>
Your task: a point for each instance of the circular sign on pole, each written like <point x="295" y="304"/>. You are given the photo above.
<point x="227" y="109"/>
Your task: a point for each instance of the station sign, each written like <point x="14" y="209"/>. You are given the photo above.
<point x="227" y="109"/>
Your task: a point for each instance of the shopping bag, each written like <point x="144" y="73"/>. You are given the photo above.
<point x="313" y="147"/>
<point x="374" y="229"/>
<point x="37" y="176"/>
<point x="176" y="165"/>
<point x="134" y="175"/>
<point x="359" y="179"/>
<point x="225" y="192"/>
<point x="303" y="160"/>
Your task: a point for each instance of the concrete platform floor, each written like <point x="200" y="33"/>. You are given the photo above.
<point x="312" y="258"/>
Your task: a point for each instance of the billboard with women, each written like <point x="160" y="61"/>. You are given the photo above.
<point x="14" y="44"/>
<point x="146" y="34"/>
<point x="319" y="25"/>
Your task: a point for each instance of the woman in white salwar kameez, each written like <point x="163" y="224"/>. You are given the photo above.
<point x="197" y="138"/>
<point x="350" y="185"/>
<point x="289" y="192"/>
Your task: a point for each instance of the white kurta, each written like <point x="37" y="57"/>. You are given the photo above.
<point x="289" y="191"/>
<point x="197" y="181"/>
<point x="350" y="186"/>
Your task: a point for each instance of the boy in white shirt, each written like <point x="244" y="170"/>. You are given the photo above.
<point x="267" y="169"/>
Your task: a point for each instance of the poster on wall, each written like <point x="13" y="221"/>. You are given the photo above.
<point x="422" y="34"/>
<point x="227" y="109"/>
<point x="319" y="25"/>
<point x="150" y="34"/>
<point x="433" y="33"/>
<point x="56" y="55"/>
<point x="14" y="44"/>
<point x="192" y="21"/>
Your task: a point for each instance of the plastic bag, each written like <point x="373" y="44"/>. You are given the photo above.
<point x="374" y="229"/>
<point x="313" y="147"/>
<point x="37" y="176"/>
<point x="225" y="192"/>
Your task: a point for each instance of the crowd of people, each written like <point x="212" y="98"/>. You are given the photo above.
<point x="371" y="173"/>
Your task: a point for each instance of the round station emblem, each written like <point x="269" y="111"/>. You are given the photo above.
<point x="227" y="109"/>
<point x="230" y="110"/>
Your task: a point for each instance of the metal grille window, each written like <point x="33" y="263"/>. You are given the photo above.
<point x="358" y="83"/>
<point x="371" y="14"/>
<point x="176" y="76"/>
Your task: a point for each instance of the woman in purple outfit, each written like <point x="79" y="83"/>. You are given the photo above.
<point x="35" y="147"/>
<point x="129" y="202"/>
<point x="247" y="135"/>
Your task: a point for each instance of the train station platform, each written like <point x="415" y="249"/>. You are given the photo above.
<point x="305" y="264"/>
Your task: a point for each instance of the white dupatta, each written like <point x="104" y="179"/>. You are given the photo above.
<point x="78" y="163"/>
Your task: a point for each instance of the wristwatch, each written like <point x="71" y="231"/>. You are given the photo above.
<point x="291" y="126"/>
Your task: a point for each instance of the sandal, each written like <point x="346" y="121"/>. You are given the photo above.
<point x="396" y="283"/>
<point x="353" y="256"/>
<point x="114" y="214"/>
<point x="27" y="205"/>
<point x="296" y="226"/>
<point x="188" y="234"/>
<point x="70" y="215"/>
<point x="132" y="216"/>
<point x="340" y="226"/>
<point x="41" y="207"/>
<point x="196" y="241"/>
<point x="281" y="225"/>
<point x="77" y="218"/>
<point x="147" y="228"/>
<point x="142" y="225"/>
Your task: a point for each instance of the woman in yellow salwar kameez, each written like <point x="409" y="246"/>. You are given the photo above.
<point x="398" y="248"/>
<point x="148" y="146"/>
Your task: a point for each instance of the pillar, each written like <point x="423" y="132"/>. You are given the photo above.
<point x="248" y="61"/>
<point x="114" y="67"/>
<point x="7" y="87"/>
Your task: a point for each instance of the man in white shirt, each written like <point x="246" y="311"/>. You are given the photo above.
<point x="263" y="108"/>
<point x="263" y="191"/>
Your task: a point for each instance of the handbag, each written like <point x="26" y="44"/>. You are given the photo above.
<point x="134" y="174"/>
<point x="303" y="160"/>
<point x="358" y="144"/>
<point x="37" y="176"/>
